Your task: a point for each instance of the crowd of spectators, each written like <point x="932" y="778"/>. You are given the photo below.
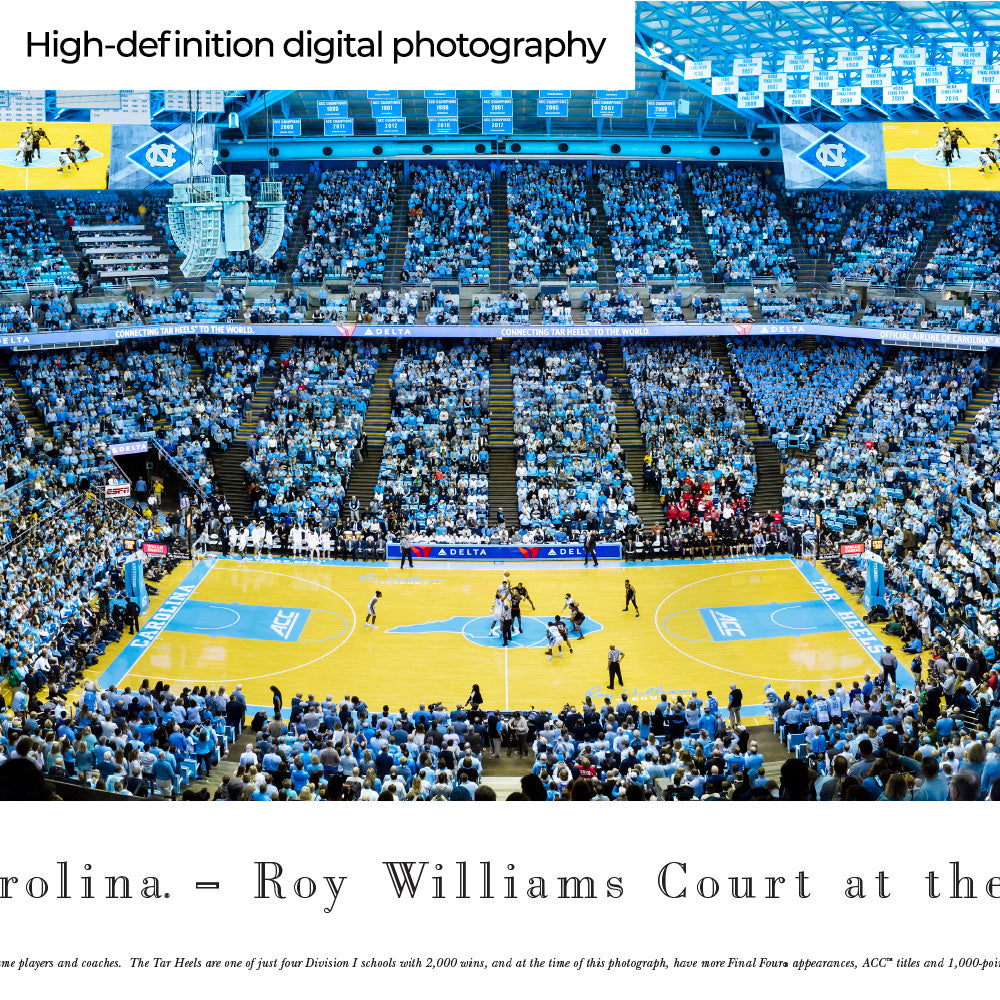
<point x="29" y="252"/>
<point x="433" y="479"/>
<point x="571" y="474"/>
<point x="882" y="238"/>
<point x="612" y="307"/>
<point x="797" y="392"/>
<point x="448" y="227"/>
<point x="246" y="262"/>
<point x="507" y="308"/>
<point x="347" y="230"/>
<point x="968" y="249"/>
<point x="746" y="233"/>
<point x="819" y="216"/>
<point x="303" y="448"/>
<point x="813" y="308"/>
<point x="647" y="226"/>
<point x="549" y="224"/>
<point x="699" y="460"/>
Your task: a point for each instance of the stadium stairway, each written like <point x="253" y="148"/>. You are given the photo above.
<point x="982" y="398"/>
<point x="942" y="221"/>
<point x="396" y="248"/>
<point x="696" y="233"/>
<point x="34" y="418"/>
<point x="499" y="234"/>
<point x="364" y="475"/>
<point x="230" y="477"/>
<point x="600" y="235"/>
<point x="503" y="464"/>
<point x="648" y="505"/>
<point x="306" y="204"/>
<point x="840" y="427"/>
<point x="767" y="495"/>
<point x="808" y="266"/>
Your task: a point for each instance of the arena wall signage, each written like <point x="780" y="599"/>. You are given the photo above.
<point x="941" y="338"/>
<point x="852" y="548"/>
<point x="504" y="553"/>
<point x="156" y="548"/>
<point x="116" y="491"/>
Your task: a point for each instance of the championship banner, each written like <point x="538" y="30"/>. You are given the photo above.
<point x="848" y="156"/>
<point x="117" y="491"/>
<point x="135" y="582"/>
<point x="503" y="553"/>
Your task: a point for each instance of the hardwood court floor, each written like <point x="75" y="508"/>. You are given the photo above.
<point x="301" y="626"/>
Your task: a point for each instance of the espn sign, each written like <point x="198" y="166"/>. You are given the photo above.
<point x="852" y="548"/>
<point x="156" y="548"/>
<point x="117" y="491"/>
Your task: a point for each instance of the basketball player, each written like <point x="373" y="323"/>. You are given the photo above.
<point x="985" y="162"/>
<point x="956" y="133"/>
<point x="576" y="616"/>
<point x="553" y="637"/>
<point x="82" y="149"/>
<point x="630" y="598"/>
<point x="312" y="539"/>
<point x="564" y="633"/>
<point x="295" y="536"/>
<point x="515" y="610"/>
<point x="523" y="592"/>
<point x="370" y="617"/>
<point x="66" y="161"/>
<point x="257" y="539"/>
<point x="497" y="613"/>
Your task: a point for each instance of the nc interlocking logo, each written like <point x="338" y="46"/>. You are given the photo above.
<point x="833" y="156"/>
<point x="160" y="156"/>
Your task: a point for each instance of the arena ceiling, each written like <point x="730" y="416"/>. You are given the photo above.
<point x="668" y="35"/>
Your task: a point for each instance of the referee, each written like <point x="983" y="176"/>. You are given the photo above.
<point x="406" y="551"/>
<point x="615" y="668"/>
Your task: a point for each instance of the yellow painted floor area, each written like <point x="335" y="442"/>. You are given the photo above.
<point x="669" y="648"/>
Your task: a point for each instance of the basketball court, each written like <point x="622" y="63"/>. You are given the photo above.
<point x="300" y="626"/>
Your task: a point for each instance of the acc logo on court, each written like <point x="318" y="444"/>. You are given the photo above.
<point x="160" y="156"/>
<point x="284" y="622"/>
<point x="833" y="156"/>
<point x="728" y="625"/>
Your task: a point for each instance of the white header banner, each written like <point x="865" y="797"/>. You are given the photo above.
<point x="846" y="96"/>
<point x="393" y="44"/>
<point x="850" y="59"/>
<point x="773" y="81"/>
<point x="725" y="85"/>
<point x="748" y="67"/>
<point x="750" y="99"/>
<point x="930" y="76"/>
<point x="698" y="70"/>
<point x="901" y="93"/>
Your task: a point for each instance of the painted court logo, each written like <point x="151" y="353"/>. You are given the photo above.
<point x="728" y="625"/>
<point x="284" y="622"/>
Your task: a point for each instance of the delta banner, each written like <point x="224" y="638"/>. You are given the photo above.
<point x="135" y="582"/>
<point x="849" y="156"/>
<point x="502" y="553"/>
<point x="929" y="338"/>
<point x="143" y="156"/>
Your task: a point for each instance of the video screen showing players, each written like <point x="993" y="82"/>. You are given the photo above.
<point x="943" y="156"/>
<point x="54" y="156"/>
